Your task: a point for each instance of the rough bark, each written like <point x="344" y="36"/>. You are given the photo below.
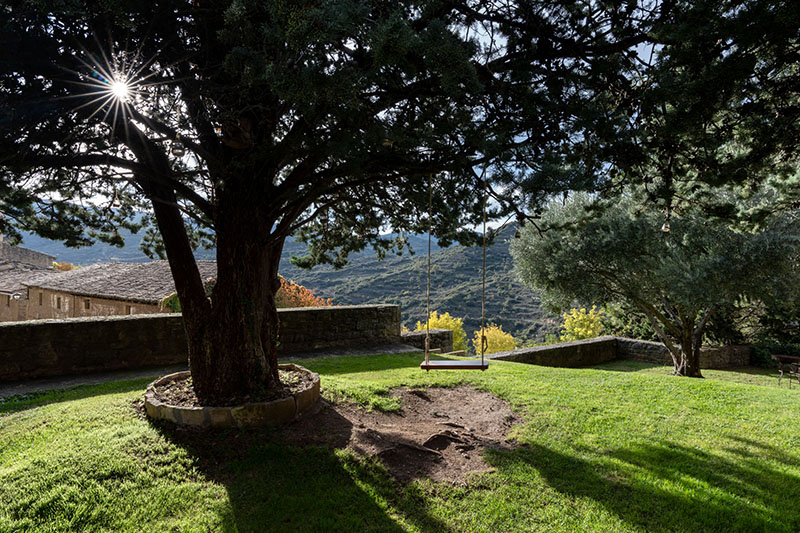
<point x="685" y="351"/>
<point x="232" y="337"/>
<point x="690" y="357"/>
<point x="235" y="358"/>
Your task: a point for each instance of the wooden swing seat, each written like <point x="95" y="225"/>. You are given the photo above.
<point x="449" y="364"/>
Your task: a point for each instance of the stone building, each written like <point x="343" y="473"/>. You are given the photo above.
<point x="19" y="266"/>
<point x="104" y="289"/>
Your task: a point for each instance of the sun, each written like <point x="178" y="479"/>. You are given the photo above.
<point x="120" y="89"/>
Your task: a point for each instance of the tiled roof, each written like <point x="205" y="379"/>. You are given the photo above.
<point x="135" y="282"/>
<point x="14" y="275"/>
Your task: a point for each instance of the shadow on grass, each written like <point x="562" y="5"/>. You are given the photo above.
<point x="13" y="404"/>
<point x="624" y="365"/>
<point x="669" y="487"/>
<point x="278" y="487"/>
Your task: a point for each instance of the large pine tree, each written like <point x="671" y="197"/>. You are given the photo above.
<point x="241" y="122"/>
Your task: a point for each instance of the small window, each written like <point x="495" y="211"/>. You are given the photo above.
<point x="128" y="309"/>
<point x="58" y="302"/>
<point x="41" y="299"/>
<point x="87" y="303"/>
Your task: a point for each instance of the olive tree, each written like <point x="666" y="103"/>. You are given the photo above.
<point x="676" y="278"/>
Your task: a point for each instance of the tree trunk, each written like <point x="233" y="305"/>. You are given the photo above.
<point x="685" y="352"/>
<point x="690" y="357"/>
<point x="232" y="339"/>
<point x="236" y="358"/>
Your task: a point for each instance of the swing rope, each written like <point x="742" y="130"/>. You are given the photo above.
<point x="484" y="340"/>
<point x="428" y="308"/>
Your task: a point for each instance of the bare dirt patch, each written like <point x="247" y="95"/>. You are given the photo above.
<point x="439" y="433"/>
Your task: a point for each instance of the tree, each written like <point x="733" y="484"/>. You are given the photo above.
<point x="236" y="123"/>
<point x="714" y="105"/>
<point x="445" y="321"/>
<point x="678" y="279"/>
<point x="289" y="295"/>
<point x="63" y="266"/>
<point x="497" y="340"/>
<point x="240" y="122"/>
<point x="582" y="324"/>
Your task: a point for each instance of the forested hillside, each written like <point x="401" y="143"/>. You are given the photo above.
<point x="455" y="286"/>
<point x="456" y="281"/>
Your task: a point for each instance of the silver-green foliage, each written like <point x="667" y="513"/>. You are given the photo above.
<point x="612" y="254"/>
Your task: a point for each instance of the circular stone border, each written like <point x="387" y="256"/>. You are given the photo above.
<point x="273" y="413"/>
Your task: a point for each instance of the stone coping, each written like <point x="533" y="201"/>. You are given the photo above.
<point x="273" y="413"/>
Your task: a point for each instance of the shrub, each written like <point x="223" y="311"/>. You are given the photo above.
<point x="445" y="321"/>
<point x="624" y="320"/>
<point x="581" y="324"/>
<point x="497" y="340"/>
<point x="761" y="352"/>
<point x="290" y="294"/>
<point x="63" y="266"/>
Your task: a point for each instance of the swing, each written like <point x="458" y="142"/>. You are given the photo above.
<point x="447" y="364"/>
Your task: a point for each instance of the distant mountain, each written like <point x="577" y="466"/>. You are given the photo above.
<point x="99" y="252"/>
<point x="455" y="287"/>
<point x="455" y="280"/>
<point x="131" y="253"/>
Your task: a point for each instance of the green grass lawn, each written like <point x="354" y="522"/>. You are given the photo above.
<point x="621" y="447"/>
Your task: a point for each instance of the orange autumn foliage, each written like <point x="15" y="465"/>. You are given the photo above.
<point x="291" y="294"/>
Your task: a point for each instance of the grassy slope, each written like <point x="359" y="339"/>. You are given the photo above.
<point x="622" y="447"/>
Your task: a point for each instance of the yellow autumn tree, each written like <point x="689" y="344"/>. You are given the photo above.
<point x="582" y="324"/>
<point x="497" y="340"/>
<point x="445" y="321"/>
<point x="64" y="266"/>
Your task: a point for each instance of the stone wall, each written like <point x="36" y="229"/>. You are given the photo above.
<point x="440" y="338"/>
<point x="312" y="328"/>
<point x="46" y="303"/>
<point x="47" y="348"/>
<point x="656" y="352"/>
<point x="23" y="255"/>
<point x="643" y="351"/>
<point x="11" y="309"/>
<point x="566" y="354"/>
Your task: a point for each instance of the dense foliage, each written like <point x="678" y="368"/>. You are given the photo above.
<point x="678" y="279"/>
<point x="445" y="321"/>
<point x="582" y="324"/>
<point x="292" y="294"/>
<point x="63" y="266"/>
<point x="497" y="340"/>
<point x="240" y="122"/>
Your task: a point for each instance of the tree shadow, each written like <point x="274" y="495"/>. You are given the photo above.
<point x="626" y="365"/>
<point x="669" y="487"/>
<point x="274" y="486"/>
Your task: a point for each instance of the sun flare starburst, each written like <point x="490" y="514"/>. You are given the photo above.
<point x="111" y="84"/>
<point x="120" y="89"/>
